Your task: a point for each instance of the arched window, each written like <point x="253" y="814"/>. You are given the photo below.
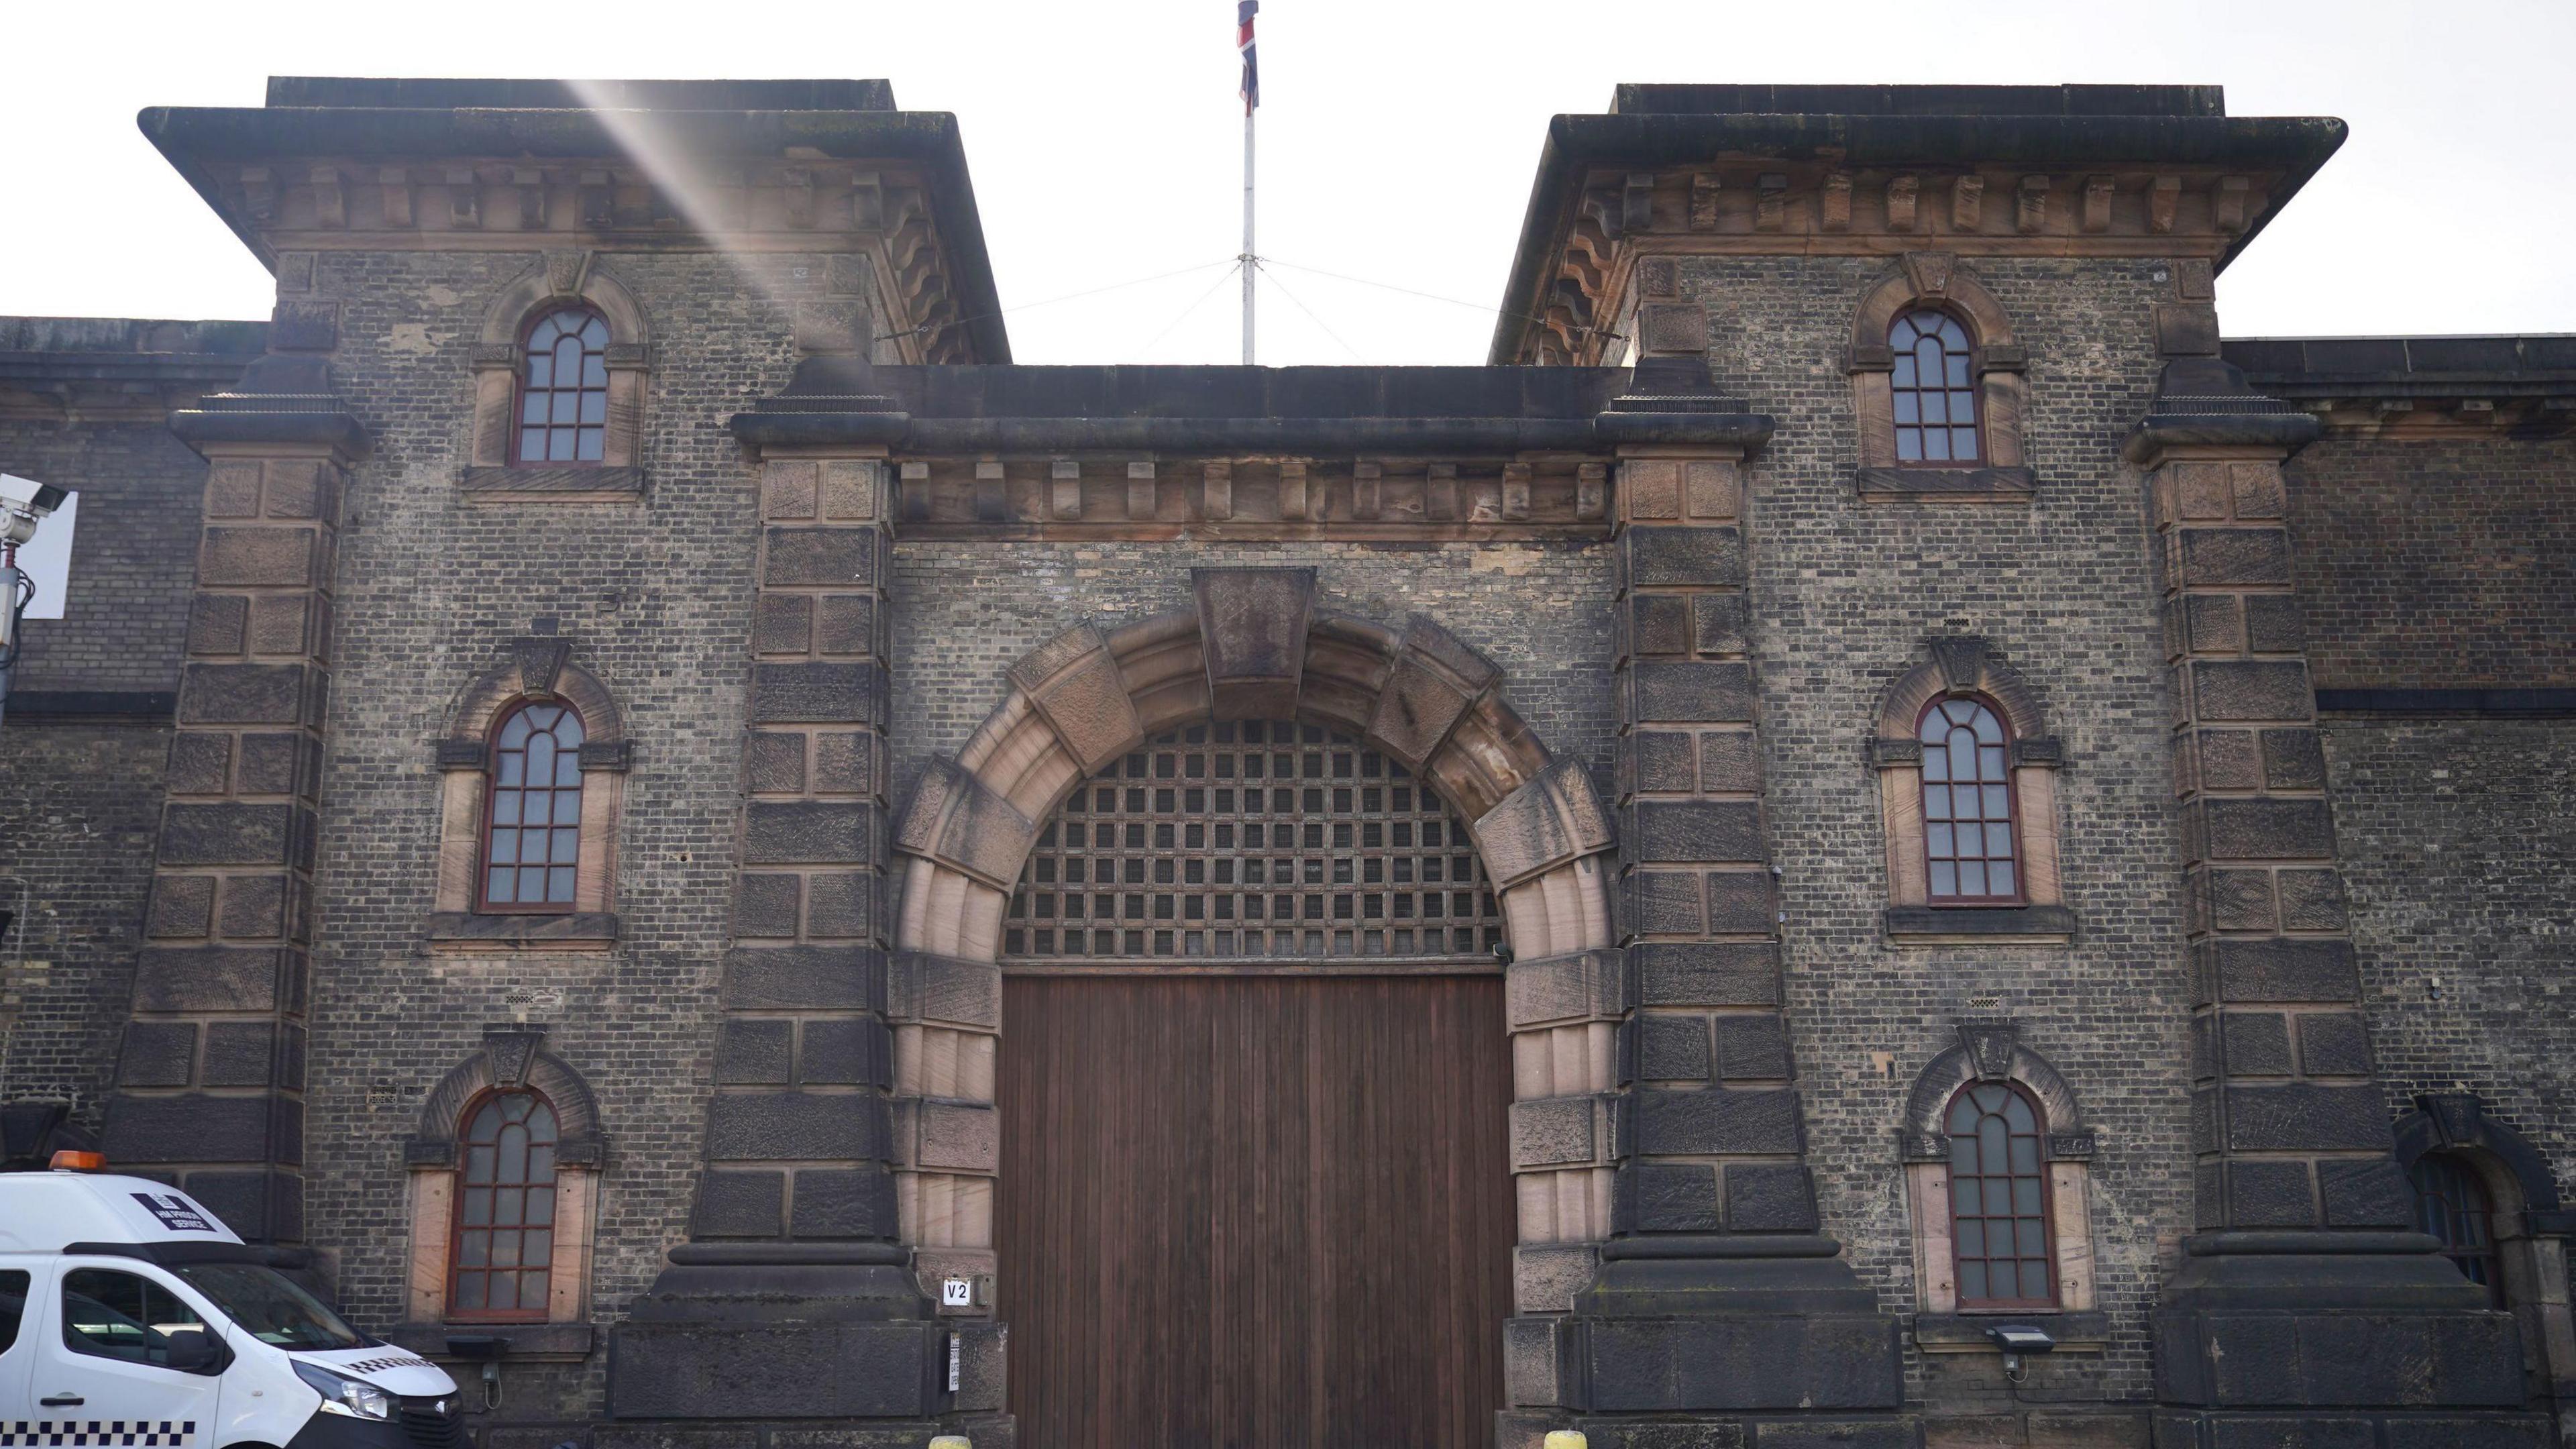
<point x="2451" y="1203"/>
<point x="563" y="389"/>
<point x="1998" y="1199"/>
<point x="1968" y="846"/>
<point x="1934" y="387"/>
<point x="532" y="846"/>
<point x="505" y="1209"/>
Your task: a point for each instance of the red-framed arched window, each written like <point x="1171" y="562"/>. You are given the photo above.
<point x="1999" y="1229"/>
<point x="1970" y="844"/>
<point x="1935" y="389"/>
<point x="502" y="1259"/>
<point x="563" y="389"/>
<point x="2452" y="1204"/>
<point x="532" y="813"/>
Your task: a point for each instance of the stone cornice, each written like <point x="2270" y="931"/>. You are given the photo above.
<point x="889" y="185"/>
<point x="1614" y="187"/>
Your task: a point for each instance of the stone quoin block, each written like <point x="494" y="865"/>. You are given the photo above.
<point x="735" y="1204"/>
<point x="2296" y="1116"/>
<point x="244" y="693"/>
<point x="2250" y="689"/>
<point x="823" y="832"/>
<point x="1692" y="692"/>
<point x="842" y="558"/>
<point x="1722" y="973"/>
<point x="2334" y="1044"/>
<point x="2373" y="1194"/>
<point x="1667" y="1197"/>
<point x="157" y="1054"/>
<point x="1751" y="1047"/>
<point x="945" y="989"/>
<point x="843" y="1051"/>
<point x="200" y="1128"/>
<point x="1662" y="831"/>
<point x="1769" y="1197"/>
<point x="842" y="1202"/>
<point x="795" y="1126"/>
<point x="753" y="1051"/>
<point x="212" y="978"/>
<point x="818" y="693"/>
<point x="1670" y="1048"/>
<point x="1715" y="1121"/>
<point x="2278" y="969"/>
<point x="1682" y="558"/>
<point x="1553" y="818"/>
<point x="804" y="978"/>
<point x="1590" y="986"/>
<point x="2241" y="557"/>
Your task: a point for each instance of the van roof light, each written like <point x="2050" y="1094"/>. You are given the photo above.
<point x="67" y="1160"/>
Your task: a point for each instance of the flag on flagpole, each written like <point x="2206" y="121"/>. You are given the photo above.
<point x="1244" y="10"/>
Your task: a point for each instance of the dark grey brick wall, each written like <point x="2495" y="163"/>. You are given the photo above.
<point x="1843" y="596"/>
<point x="79" y="807"/>
<point x="656" y="596"/>
<point x="2437" y="563"/>
<point x="2460" y="855"/>
<point x="80" y="803"/>
<point x="134" y="553"/>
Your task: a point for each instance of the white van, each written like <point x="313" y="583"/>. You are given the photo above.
<point x="130" y="1316"/>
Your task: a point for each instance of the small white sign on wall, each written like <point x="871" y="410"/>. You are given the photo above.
<point x="957" y="1293"/>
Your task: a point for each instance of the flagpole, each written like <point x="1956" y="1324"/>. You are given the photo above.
<point x="1244" y="10"/>
<point x="1246" y="260"/>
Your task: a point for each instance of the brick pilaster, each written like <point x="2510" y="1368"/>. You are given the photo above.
<point x="1710" y="1123"/>
<point x="2304" y="1288"/>
<point x="2289" y="1130"/>
<point x="210" y="1080"/>
<point x="799" y="1130"/>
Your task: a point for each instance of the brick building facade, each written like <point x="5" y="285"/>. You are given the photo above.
<point x="856" y="645"/>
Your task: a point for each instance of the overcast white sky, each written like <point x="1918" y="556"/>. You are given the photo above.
<point x="1398" y="138"/>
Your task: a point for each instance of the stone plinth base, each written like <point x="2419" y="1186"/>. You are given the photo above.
<point x="2309" y="1320"/>
<point x="756" y="1331"/>
<point x="1712" y="1323"/>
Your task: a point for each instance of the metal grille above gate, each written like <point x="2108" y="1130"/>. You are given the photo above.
<point x="1258" y="840"/>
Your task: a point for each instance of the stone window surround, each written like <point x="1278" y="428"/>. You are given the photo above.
<point x="562" y="279"/>
<point x="1990" y="1050"/>
<point x="512" y="1058"/>
<point x="535" y="669"/>
<point x="2529" y="1224"/>
<point x="1934" y="281"/>
<point x="1967" y="667"/>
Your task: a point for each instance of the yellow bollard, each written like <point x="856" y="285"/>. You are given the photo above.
<point x="954" y="1441"/>
<point x="1564" y="1439"/>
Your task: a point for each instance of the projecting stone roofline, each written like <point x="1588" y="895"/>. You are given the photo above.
<point x="1252" y="410"/>
<point x="2523" y="387"/>
<point x="457" y="93"/>
<point x="118" y="369"/>
<point x="376" y="166"/>
<point x="1900" y="100"/>
<point x="1968" y="171"/>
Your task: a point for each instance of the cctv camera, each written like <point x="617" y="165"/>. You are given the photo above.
<point x="26" y="495"/>
<point x="23" y="501"/>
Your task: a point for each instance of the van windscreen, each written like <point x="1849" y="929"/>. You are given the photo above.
<point x="268" y="1305"/>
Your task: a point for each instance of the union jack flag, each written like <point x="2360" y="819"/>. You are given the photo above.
<point x="1244" y="10"/>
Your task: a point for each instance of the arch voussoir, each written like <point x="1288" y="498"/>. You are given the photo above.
<point x="1254" y="645"/>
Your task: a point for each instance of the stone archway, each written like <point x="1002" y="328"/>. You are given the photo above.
<point x="1257" y="645"/>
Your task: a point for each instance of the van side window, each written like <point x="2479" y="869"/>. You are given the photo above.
<point x="108" y="1314"/>
<point x="13" y="1305"/>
